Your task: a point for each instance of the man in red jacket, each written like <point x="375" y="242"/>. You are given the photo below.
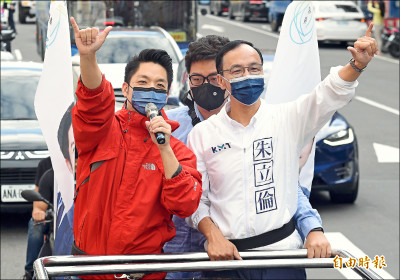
<point x="127" y="187"/>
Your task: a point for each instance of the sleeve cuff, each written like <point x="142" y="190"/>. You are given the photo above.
<point x="194" y="220"/>
<point x="309" y="224"/>
<point x="339" y="81"/>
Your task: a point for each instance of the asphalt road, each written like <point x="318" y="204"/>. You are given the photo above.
<point x="369" y="226"/>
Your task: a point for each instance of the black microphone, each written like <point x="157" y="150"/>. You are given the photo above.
<point x="151" y="112"/>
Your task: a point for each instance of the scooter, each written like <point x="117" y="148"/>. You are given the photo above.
<point x="390" y="41"/>
<point x="7" y="35"/>
<point x="48" y="244"/>
<point x="395" y="45"/>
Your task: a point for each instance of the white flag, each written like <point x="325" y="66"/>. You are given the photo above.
<point x="296" y="67"/>
<point x="53" y="100"/>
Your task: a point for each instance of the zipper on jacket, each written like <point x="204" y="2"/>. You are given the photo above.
<point x="245" y="191"/>
<point x="130" y="134"/>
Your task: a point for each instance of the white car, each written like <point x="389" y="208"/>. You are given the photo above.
<point x="122" y="44"/>
<point x="22" y="141"/>
<point x="339" y="21"/>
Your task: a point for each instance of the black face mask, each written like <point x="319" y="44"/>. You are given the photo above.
<point x="208" y="96"/>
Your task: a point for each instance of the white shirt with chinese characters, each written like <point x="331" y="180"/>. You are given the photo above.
<point x="250" y="174"/>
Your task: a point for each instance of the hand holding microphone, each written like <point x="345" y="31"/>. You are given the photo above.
<point x="157" y="124"/>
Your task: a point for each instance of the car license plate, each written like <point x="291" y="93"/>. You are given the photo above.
<point x="342" y="22"/>
<point x="12" y="193"/>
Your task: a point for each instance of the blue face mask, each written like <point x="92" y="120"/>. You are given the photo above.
<point x="247" y="89"/>
<point x="142" y="96"/>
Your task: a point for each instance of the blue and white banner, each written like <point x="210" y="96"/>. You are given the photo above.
<point x="53" y="101"/>
<point x="296" y="67"/>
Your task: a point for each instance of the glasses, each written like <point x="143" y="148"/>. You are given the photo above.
<point x="198" y="80"/>
<point x="238" y="70"/>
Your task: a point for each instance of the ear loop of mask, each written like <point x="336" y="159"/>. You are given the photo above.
<point x="127" y="99"/>
<point x="229" y="83"/>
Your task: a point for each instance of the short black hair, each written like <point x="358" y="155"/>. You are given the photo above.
<point x="204" y="48"/>
<point x="230" y="46"/>
<point x="149" y="55"/>
<point x="62" y="135"/>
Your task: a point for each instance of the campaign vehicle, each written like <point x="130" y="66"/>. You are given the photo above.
<point x="121" y="44"/>
<point x="22" y="142"/>
<point x="248" y="9"/>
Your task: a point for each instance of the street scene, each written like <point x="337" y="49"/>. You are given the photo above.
<point x="358" y="152"/>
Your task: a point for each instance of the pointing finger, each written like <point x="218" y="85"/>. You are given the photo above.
<point x="369" y="30"/>
<point x="74" y="26"/>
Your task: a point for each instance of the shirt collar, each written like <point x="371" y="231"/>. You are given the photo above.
<point x="199" y="115"/>
<point x="255" y="120"/>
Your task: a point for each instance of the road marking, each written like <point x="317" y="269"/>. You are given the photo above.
<point x="18" y="54"/>
<point x="377" y="105"/>
<point x="218" y="29"/>
<point x="387" y="59"/>
<point x="199" y="35"/>
<point x="266" y="27"/>
<point x="386" y="153"/>
<point x="244" y="26"/>
<point x="339" y="241"/>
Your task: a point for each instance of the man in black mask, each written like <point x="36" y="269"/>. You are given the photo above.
<point x="205" y="98"/>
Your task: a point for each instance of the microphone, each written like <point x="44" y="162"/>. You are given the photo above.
<point x="151" y="112"/>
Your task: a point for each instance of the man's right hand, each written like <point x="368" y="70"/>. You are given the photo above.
<point x="221" y="249"/>
<point x="38" y="215"/>
<point x="88" y="40"/>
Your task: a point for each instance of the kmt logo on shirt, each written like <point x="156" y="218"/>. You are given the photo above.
<point x="221" y="147"/>
<point x="265" y="200"/>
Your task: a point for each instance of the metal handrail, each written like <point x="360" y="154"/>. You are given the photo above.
<point x="122" y="264"/>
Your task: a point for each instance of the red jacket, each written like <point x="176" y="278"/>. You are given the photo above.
<point x="124" y="204"/>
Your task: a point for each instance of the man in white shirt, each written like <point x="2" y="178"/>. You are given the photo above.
<point x="248" y="155"/>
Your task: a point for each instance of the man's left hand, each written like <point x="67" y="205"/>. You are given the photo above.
<point x="317" y="245"/>
<point x="364" y="49"/>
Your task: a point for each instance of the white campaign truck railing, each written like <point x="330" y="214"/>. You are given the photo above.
<point x="130" y="264"/>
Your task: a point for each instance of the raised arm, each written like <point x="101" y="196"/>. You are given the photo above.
<point x="88" y="41"/>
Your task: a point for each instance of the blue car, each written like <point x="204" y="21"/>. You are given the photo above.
<point x="336" y="160"/>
